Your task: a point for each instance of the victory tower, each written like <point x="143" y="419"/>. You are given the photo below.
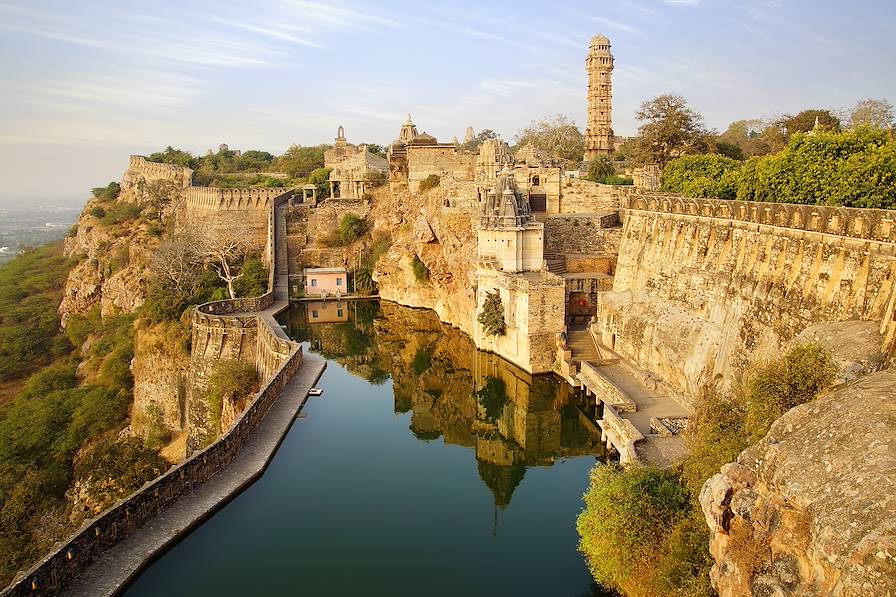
<point x="599" y="133"/>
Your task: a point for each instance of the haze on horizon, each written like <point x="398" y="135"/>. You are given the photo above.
<point x="86" y="84"/>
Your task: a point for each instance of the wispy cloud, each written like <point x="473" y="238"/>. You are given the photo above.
<point x="340" y="17"/>
<point x="616" y="25"/>
<point x="682" y="2"/>
<point x="274" y="32"/>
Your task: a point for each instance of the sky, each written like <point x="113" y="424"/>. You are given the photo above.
<point x="84" y="84"/>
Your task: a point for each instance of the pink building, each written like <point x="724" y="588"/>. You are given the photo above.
<point x="325" y="281"/>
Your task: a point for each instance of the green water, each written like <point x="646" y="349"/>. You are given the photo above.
<point x="426" y="468"/>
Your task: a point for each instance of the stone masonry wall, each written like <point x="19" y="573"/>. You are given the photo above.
<point x="584" y="233"/>
<point x="423" y="161"/>
<point x="578" y="195"/>
<point x="142" y="170"/>
<point x="702" y="288"/>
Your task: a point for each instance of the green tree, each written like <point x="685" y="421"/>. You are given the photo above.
<point x="479" y="139"/>
<point x="706" y="175"/>
<point x="600" y="168"/>
<point x="300" y="162"/>
<point x="804" y="121"/>
<point x="556" y="136"/>
<point x="178" y="157"/>
<point x="491" y="318"/>
<point x="320" y="178"/>
<point x="109" y="192"/>
<point x="671" y="129"/>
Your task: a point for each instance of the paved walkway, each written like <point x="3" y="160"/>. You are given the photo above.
<point x="116" y="567"/>
<point x="120" y="564"/>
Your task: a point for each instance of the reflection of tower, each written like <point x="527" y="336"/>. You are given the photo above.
<point x="599" y="133"/>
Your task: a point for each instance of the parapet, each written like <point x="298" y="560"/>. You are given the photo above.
<point x="212" y="198"/>
<point x="866" y="224"/>
<point x="181" y="175"/>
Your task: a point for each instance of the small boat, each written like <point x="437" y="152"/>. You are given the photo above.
<point x="315" y="392"/>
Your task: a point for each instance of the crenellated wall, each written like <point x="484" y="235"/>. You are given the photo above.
<point x="141" y="169"/>
<point x="704" y="287"/>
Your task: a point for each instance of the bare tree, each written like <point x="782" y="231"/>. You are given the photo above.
<point x="557" y="136"/>
<point x="876" y="113"/>
<point x="179" y="264"/>
<point x="224" y="245"/>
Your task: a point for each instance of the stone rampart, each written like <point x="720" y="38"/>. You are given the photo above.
<point x="141" y="169"/>
<point x="218" y="199"/>
<point x="97" y="535"/>
<point x="867" y="224"/>
<point x="703" y="288"/>
<point x="439" y="160"/>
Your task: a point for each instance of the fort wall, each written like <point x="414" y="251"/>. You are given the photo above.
<point x="438" y="160"/>
<point x="578" y="195"/>
<point x="582" y="233"/>
<point x="142" y="170"/>
<point x="705" y="287"/>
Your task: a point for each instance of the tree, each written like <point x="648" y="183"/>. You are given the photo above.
<point x="876" y="113"/>
<point x="556" y="136"/>
<point x="805" y="121"/>
<point x="492" y="316"/>
<point x="320" y="178"/>
<point x="670" y="129"/>
<point x="376" y="149"/>
<point x="178" y="263"/>
<point x="160" y="195"/>
<point x="224" y="246"/>
<point x="747" y="136"/>
<point x="300" y="162"/>
<point x="178" y="157"/>
<point x="481" y="136"/>
<point x="600" y="168"/>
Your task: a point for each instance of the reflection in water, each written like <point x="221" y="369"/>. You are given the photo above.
<point x="511" y="419"/>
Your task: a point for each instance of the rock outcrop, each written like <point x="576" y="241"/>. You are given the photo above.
<point x="810" y="509"/>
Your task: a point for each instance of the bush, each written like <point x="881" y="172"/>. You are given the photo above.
<point x="430" y="182"/>
<point x="422" y="361"/>
<point x="774" y="389"/>
<point x="628" y="515"/>
<point x="121" y="213"/>
<point x="600" y="168"/>
<point x="109" y="192"/>
<point x="421" y="272"/>
<point x="492" y="397"/>
<point x="617" y="180"/>
<point x="709" y="175"/>
<point x="116" y="469"/>
<point x="233" y="379"/>
<point x="492" y="316"/>
<point x="98" y="212"/>
<point x="253" y="281"/>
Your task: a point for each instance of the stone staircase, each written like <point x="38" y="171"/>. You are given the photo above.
<point x="556" y="265"/>
<point x="582" y="346"/>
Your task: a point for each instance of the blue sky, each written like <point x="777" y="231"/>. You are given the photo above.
<point x="83" y="84"/>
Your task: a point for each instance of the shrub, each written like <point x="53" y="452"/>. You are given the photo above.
<point x="121" y="213"/>
<point x="109" y="192"/>
<point x="492" y="316"/>
<point x="422" y="361"/>
<point x="795" y="379"/>
<point x="430" y="182"/>
<point x="708" y="175"/>
<point x="118" y="468"/>
<point x="628" y="515"/>
<point x="617" y="180"/>
<point x="421" y="272"/>
<point x="600" y="168"/>
<point x="233" y="379"/>
<point x="492" y="397"/>
<point x="253" y="281"/>
<point x="98" y="212"/>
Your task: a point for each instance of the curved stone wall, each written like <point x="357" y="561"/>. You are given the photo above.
<point x="141" y="168"/>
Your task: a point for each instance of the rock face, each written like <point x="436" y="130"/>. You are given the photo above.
<point x="436" y="226"/>
<point x="810" y="509"/>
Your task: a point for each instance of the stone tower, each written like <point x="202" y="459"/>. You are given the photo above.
<point x="599" y="133"/>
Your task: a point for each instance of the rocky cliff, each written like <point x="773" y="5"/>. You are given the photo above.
<point x="436" y="226"/>
<point x="810" y="509"/>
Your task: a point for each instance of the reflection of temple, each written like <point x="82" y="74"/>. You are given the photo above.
<point x="509" y="418"/>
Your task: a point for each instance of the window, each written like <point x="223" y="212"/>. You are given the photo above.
<point x="314" y="314"/>
<point x="313" y="282"/>
<point x="535" y="181"/>
<point x="338" y="312"/>
<point x="338" y="281"/>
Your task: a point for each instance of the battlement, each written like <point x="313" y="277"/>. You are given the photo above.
<point x="139" y="165"/>
<point x="866" y="224"/>
<point x="211" y="198"/>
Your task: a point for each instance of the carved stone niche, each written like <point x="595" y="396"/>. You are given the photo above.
<point x="886" y="228"/>
<point x="724" y="210"/>
<point x="782" y="215"/>
<point x="798" y="219"/>
<point x="858" y="225"/>
<point x="814" y="220"/>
